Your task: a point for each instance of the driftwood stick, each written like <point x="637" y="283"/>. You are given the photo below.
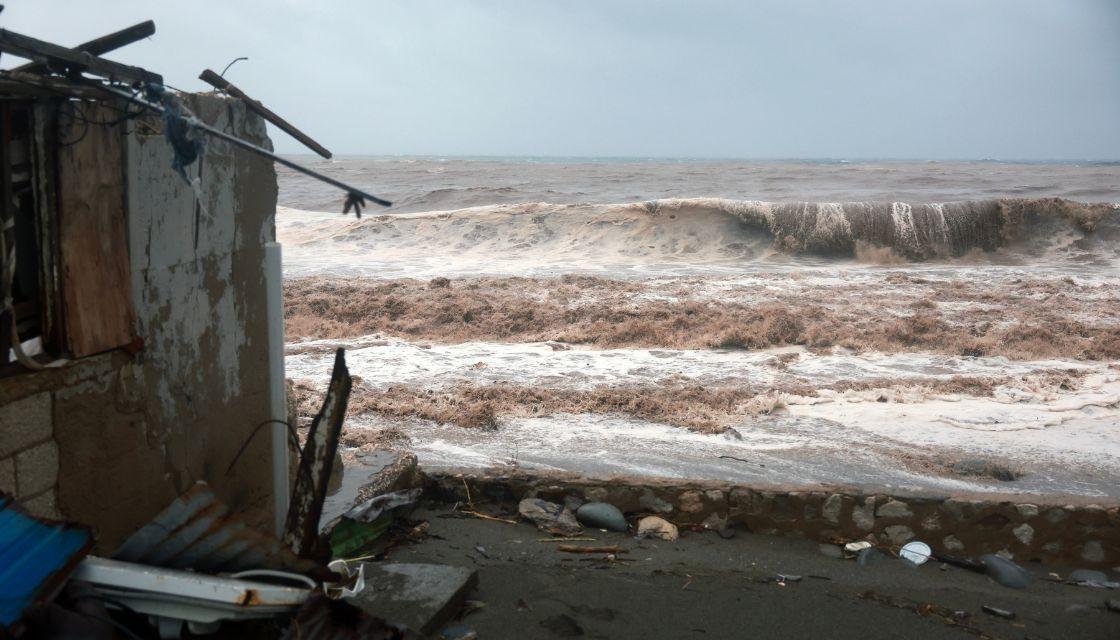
<point x="221" y="84"/>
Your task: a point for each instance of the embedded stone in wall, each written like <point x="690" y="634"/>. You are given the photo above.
<point x="650" y="502"/>
<point x="1092" y="551"/>
<point x="863" y="516"/>
<point x="952" y="543"/>
<point x="898" y="534"/>
<point x="932" y="522"/>
<point x="1025" y="533"/>
<point x="1027" y="510"/>
<point x="894" y="509"/>
<point x="1056" y="515"/>
<point x="37" y="468"/>
<point x="690" y="502"/>
<point x="25" y="422"/>
<point x="832" y="508"/>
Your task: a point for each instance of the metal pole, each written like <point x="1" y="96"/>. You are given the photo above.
<point x="255" y="149"/>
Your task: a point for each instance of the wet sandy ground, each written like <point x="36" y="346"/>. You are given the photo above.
<point x="703" y="586"/>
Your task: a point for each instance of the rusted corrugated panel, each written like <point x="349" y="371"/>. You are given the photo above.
<point x="197" y="532"/>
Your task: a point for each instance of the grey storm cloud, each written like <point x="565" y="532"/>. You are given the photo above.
<point x="1011" y="79"/>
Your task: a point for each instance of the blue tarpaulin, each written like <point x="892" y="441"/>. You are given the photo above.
<point x="36" y="558"/>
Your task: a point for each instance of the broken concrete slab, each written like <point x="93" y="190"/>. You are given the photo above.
<point x="422" y="597"/>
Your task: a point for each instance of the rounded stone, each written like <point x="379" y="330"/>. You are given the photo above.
<point x="1092" y="551"/>
<point x="894" y="509"/>
<point x="1005" y="572"/>
<point x="651" y="502"/>
<point x="952" y="543"/>
<point x="691" y="502"/>
<point x="832" y="508"/>
<point x="863" y="516"/>
<point x="601" y="515"/>
<point x="1025" y="533"/>
<point x="1027" y="510"/>
<point x="898" y="534"/>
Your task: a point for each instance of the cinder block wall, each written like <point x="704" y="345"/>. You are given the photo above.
<point x="111" y="439"/>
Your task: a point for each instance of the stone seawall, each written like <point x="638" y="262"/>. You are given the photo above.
<point x="1030" y="528"/>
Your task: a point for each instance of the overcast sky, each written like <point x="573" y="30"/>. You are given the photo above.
<point x="1008" y="79"/>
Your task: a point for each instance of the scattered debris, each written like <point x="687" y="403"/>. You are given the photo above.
<point x="175" y="598"/>
<point x="654" y="527"/>
<point x="601" y="515"/>
<point x="571" y="548"/>
<point x="1005" y="572"/>
<point x="198" y="532"/>
<point x="458" y="632"/>
<point x="421" y="597"/>
<point x="549" y="516"/>
<point x="483" y="516"/>
<point x="1000" y="613"/>
<point x="985" y="468"/>
<point x="1091" y="578"/>
<point x="853" y="549"/>
<point x="36" y="558"/>
<point x="916" y="553"/>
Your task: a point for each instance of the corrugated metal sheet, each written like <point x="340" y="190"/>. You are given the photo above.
<point x="198" y="532"/>
<point x="37" y="556"/>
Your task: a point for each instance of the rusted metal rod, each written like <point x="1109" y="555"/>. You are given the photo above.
<point x="104" y="44"/>
<point x="351" y="192"/>
<point x="221" y="84"/>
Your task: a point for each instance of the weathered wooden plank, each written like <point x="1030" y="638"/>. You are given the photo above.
<point x="37" y="50"/>
<point x="306" y="507"/>
<point x="104" y="44"/>
<point x="220" y="83"/>
<point x="93" y="247"/>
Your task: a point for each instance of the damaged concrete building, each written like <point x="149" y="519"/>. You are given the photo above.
<point x="136" y="342"/>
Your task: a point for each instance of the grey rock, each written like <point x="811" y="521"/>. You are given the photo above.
<point x="1112" y="605"/>
<point x="1027" y="510"/>
<point x="832" y="507"/>
<point x="1024" y="532"/>
<point x="1005" y="572"/>
<point x="898" y="534"/>
<point x="726" y="534"/>
<point x="894" y="509"/>
<point x="422" y="597"/>
<point x="601" y="515"/>
<point x="572" y="503"/>
<point x="952" y="543"/>
<point x="549" y="516"/>
<point x="651" y="502"/>
<point x="863" y="516"/>
<point x="1092" y="551"/>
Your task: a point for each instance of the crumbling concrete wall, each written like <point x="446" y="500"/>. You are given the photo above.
<point x="110" y="440"/>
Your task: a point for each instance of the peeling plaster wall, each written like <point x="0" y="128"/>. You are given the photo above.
<point x="132" y="432"/>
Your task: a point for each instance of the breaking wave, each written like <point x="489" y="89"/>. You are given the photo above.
<point x="699" y="230"/>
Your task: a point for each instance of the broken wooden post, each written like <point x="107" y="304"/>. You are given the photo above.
<point x="102" y="45"/>
<point x="301" y="531"/>
<point x="75" y="60"/>
<point x="221" y="84"/>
